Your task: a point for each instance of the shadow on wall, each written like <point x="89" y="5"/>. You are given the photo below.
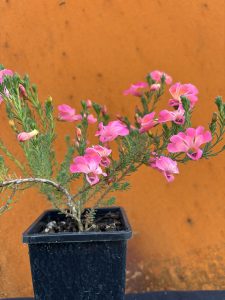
<point x="198" y="270"/>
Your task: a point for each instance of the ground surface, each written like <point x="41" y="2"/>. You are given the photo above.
<point x="199" y="295"/>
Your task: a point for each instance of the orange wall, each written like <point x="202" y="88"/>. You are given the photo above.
<point x="77" y="49"/>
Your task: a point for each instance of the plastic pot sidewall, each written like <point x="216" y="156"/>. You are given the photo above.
<point x="79" y="266"/>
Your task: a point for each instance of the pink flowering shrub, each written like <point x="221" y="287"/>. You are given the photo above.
<point x="160" y="140"/>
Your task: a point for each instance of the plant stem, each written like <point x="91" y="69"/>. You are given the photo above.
<point x="124" y="174"/>
<point x="81" y="192"/>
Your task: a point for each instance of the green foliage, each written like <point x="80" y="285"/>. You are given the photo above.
<point x="220" y="105"/>
<point x="149" y="79"/>
<point x="39" y="155"/>
<point x="97" y="108"/>
<point x="125" y="186"/>
<point x="217" y="128"/>
<point x="213" y="124"/>
<point x="166" y="131"/>
<point x="188" y="112"/>
<point x="27" y="113"/>
<point x="64" y="175"/>
<point x="110" y="201"/>
<point x="144" y="104"/>
<point x="134" y="149"/>
<point x="84" y="105"/>
<point x="3" y="169"/>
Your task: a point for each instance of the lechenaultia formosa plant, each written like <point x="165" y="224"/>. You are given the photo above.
<point x="160" y="140"/>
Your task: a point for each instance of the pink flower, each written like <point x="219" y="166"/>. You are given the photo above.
<point x="157" y="76"/>
<point x="177" y="116"/>
<point x="190" y="142"/>
<point x="147" y="122"/>
<point x="89" y="103"/>
<point x="67" y="113"/>
<point x="111" y="131"/>
<point x="134" y="89"/>
<point x="88" y="165"/>
<point x="91" y="119"/>
<point x="155" y="87"/>
<point x="188" y="90"/>
<point x="1" y="99"/>
<point x="101" y="151"/>
<point x="24" y="136"/>
<point x="3" y="73"/>
<point x="166" y="166"/>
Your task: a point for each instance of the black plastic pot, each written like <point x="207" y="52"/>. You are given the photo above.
<point x="78" y="266"/>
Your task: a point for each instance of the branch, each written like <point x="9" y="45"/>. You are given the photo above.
<point x="39" y="180"/>
<point x="52" y="183"/>
<point x="6" y="206"/>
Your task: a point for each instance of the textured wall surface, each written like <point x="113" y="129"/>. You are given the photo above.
<point x="77" y="49"/>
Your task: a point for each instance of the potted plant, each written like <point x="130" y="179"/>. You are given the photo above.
<point x="78" y="249"/>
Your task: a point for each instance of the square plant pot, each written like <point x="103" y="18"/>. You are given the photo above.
<point x="78" y="265"/>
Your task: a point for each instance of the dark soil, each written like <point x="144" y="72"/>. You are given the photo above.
<point x="110" y="221"/>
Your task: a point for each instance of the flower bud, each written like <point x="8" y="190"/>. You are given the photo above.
<point x="119" y="117"/>
<point x="22" y="90"/>
<point x="212" y="125"/>
<point x="89" y="103"/>
<point x="214" y="117"/>
<point x="11" y="123"/>
<point x="155" y="87"/>
<point x="104" y="110"/>
<point x="78" y="133"/>
<point x="138" y="118"/>
<point x="137" y="111"/>
<point x="49" y="99"/>
<point x="25" y="136"/>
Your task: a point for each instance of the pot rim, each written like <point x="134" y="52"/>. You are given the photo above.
<point x="31" y="235"/>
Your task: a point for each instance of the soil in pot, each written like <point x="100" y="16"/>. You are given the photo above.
<point x="109" y="221"/>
